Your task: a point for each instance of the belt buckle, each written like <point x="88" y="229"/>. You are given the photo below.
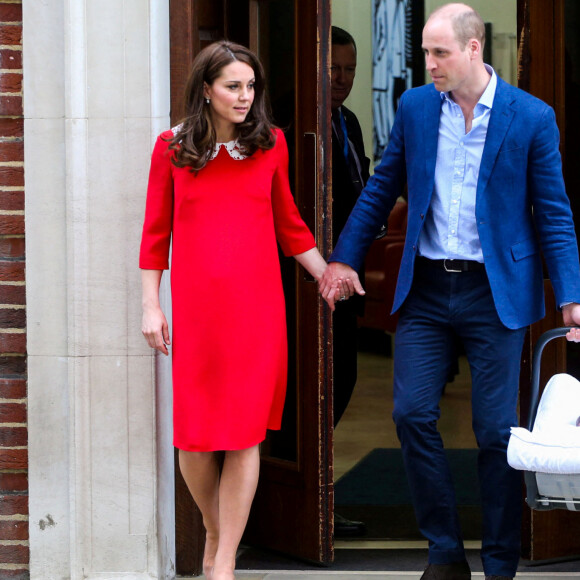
<point x="451" y="268"/>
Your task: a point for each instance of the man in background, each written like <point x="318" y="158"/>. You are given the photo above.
<point x="350" y="172"/>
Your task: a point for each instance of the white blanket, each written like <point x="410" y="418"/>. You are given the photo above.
<point x="553" y="446"/>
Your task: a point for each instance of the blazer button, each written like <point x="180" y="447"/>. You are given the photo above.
<point x="414" y="248"/>
<point x="422" y="216"/>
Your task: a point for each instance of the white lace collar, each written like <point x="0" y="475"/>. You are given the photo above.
<point x="231" y="147"/>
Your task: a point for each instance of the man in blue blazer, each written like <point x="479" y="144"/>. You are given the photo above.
<point x="485" y="189"/>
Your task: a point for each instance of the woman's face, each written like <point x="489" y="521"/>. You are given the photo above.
<point x="231" y="95"/>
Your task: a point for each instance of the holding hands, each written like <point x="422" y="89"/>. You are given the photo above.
<point x="339" y="282"/>
<point x="336" y="281"/>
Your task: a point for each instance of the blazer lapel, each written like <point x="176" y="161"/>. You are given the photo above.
<point x="430" y="137"/>
<point x="501" y="117"/>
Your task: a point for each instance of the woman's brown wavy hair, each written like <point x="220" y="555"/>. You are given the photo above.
<point x="195" y="138"/>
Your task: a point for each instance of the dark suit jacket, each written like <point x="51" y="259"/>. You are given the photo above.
<point x="521" y="203"/>
<point x="344" y="193"/>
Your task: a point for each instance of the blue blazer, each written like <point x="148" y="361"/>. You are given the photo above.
<point x="521" y="202"/>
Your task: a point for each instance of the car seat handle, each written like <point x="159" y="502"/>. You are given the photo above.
<point x="544" y="339"/>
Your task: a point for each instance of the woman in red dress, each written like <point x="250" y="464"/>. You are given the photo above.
<point x="219" y="194"/>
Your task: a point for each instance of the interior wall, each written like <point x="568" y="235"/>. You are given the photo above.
<point x="355" y="16"/>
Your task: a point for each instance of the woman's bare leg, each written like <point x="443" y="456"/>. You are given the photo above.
<point x="200" y="471"/>
<point x="237" y="488"/>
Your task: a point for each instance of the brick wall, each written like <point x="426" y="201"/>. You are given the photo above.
<point x="13" y="427"/>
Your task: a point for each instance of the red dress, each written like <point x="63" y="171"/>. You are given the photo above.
<point x="229" y="343"/>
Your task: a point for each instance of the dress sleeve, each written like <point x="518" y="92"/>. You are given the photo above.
<point x="156" y="238"/>
<point x="292" y="233"/>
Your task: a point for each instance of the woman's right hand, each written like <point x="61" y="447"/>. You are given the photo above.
<point x="155" y="329"/>
<point x="154" y="324"/>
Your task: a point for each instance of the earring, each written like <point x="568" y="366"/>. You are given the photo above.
<point x="207" y="101"/>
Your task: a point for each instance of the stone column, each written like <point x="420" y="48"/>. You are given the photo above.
<point x="96" y="93"/>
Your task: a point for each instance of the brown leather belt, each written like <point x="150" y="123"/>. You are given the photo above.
<point x="452" y="266"/>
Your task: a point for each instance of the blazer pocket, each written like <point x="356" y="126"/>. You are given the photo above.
<point x="511" y="149"/>
<point x="524" y="249"/>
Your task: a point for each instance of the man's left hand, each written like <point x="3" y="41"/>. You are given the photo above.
<point x="571" y="313"/>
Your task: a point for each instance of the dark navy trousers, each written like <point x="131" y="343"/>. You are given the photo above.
<point x="441" y="308"/>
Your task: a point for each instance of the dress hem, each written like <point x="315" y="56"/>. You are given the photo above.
<point x="230" y="448"/>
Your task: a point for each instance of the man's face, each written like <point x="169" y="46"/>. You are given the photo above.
<point x="448" y="65"/>
<point x="342" y="72"/>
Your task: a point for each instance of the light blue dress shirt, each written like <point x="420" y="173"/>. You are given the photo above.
<point x="450" y="229"/>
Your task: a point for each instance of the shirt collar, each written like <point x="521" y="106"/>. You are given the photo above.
<point x="231" y="147"/>
<point x="488" y="95"/>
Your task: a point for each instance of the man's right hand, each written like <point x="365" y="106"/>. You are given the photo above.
<point x="339" y="282"/>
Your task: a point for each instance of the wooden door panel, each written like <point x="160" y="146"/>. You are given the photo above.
<point x="193" y="24"/>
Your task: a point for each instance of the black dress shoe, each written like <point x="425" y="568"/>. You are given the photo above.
<point x="455" y="571"/>
<point x="344" y="528"/>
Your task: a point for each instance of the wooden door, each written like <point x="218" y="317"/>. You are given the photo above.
<point x="293" y="508"/>
<point x="545" y="70"/>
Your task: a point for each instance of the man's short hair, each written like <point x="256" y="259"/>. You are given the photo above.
<point x="342" y="37"/>
<point x="466" y="23"/>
